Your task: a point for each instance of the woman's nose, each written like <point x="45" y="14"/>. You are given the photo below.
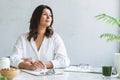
<point x="48" y="16"/>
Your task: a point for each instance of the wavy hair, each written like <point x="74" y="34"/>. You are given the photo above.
<point x="35" y="21"/>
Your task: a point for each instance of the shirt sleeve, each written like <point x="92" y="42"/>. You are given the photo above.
<point x="16" y="57"/>
<point x="61" y="59"/>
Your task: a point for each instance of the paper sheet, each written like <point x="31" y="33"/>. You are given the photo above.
<point x="35" y="72"/>
<point x="42" y="72"/>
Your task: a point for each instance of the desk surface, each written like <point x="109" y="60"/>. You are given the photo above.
<point x="64" y="76"/>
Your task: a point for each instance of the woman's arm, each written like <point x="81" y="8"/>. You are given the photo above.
<point x="16" y="57"/>
<point x="61" y="59"/>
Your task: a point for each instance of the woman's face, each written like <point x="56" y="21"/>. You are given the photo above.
<point x="46" y="18"/>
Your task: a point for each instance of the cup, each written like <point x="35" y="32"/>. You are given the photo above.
<point x="4" y="63"/>
<point x="106" y="71"/>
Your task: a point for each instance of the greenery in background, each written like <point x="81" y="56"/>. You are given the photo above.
<point x="3" y="78"/>
<point x="109" y="20"/>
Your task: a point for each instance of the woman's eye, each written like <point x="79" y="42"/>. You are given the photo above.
<point x="44" y="14"/>
<point x="47" y="14"/>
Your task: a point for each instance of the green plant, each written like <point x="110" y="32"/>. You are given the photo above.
<point x="3" y="78"/>
<point x="110" y="20"/>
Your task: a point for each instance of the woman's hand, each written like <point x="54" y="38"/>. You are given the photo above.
<point x="29" y="64"/>
<point x="38" y="65"/>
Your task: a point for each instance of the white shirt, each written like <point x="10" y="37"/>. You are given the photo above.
<point x="52" y="49"/>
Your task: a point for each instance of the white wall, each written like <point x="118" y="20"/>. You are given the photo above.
<point x="74" y="21"/>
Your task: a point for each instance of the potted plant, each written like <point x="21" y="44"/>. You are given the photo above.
<point x="110" y="36"/>
<point x="110" y="20"/>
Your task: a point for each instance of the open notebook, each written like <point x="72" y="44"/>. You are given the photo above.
<point x="35" y="72"/>
<point x="42" y="72"/>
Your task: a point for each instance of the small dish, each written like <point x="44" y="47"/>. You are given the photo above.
<point x="10" y="73"/>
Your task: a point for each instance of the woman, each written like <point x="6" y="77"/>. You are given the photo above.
<point x="41" y="47"/>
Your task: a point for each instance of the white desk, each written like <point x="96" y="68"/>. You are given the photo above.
<point x="64" y="76"/>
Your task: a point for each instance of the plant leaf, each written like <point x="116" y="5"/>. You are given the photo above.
<point x="110" y="37"/>
<point x="108" y="19"/>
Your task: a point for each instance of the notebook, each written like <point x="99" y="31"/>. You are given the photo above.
<point x="42" y="72"/>
<point x="35" y="72"/>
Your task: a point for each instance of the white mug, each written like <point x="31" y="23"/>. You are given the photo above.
<point x="4" y="63"/>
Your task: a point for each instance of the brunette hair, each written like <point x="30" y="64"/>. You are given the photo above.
<point x="35" y="21"/>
